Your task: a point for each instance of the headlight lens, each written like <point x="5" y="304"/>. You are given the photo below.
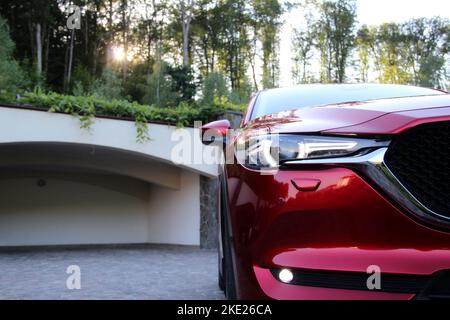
<point x="269" y="151"/>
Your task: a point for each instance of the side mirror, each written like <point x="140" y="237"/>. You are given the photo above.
<point x="215" y="131"/>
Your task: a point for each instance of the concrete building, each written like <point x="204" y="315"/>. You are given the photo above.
<point x="63" y="185"/>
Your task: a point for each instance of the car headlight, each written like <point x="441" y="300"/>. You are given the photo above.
<point x="270" y="151"/>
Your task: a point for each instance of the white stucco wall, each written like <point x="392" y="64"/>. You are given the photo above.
<point x="69" y="212"/>
<point x="176" y="213"/>
<point x="96" y="209"/>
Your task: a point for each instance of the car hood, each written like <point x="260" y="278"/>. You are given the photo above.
<point x="353" y="114"/>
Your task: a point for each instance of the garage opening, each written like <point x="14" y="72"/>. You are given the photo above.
<point x="56" y="194"/>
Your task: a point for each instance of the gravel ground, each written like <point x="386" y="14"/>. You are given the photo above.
<point x="125" y="272"/>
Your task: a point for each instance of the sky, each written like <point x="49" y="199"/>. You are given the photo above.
<point x="370" y="12"/>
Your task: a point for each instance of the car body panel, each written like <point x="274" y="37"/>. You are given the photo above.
<point x="395" y="123"/>
<point x="350" y="115"/>
<point x="346" y="225"/>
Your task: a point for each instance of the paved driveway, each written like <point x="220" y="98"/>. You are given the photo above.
<point x="134" y="272"/>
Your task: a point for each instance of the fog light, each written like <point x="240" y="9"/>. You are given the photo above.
<point x="286" y="276"/>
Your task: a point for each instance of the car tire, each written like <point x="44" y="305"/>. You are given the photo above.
<point x="219" y="273"/>
<point x="220" y="258"/>
<point x="228" y="278"/>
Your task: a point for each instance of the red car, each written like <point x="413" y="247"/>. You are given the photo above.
<point x="354" y="191"/>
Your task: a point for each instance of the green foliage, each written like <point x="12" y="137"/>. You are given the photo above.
<point x="135" y="86"/>
<point x="428" y="47"/>
<point x="414" y="52"/>
<point x="267" y="21"/>
<point x="33" y="79"/>
<point x="82" y="81"/>
<point x="11" y="75"/>
<point x="165" y="86"/>
<point x="242" y="94"/>
<point x="303" y="45"/>
<point x="87" y="107"/>
<point x="364" y="40"/>
<point x="159" y="86"/>
<point x="108" y="86"/>
<point x="7" y="97"/>
<point x="392" y="56"/>
<point x="214" y="85"/>
<point x="7" y="46"/>
<point x="336" y="27"/>
<point x="183" y="83"/>
<point x="236" y="38"/>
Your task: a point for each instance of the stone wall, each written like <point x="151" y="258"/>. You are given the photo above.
<point x="208" y="212"/>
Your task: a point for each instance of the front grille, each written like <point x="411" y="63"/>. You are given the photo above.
<point x="420" y="160"/>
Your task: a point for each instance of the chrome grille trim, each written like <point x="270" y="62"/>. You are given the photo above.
<point x="373" y="166"/>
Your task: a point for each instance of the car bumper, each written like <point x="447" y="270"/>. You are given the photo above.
<point x="346" y="225"/>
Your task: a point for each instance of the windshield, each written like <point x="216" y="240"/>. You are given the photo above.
<point x="285" y="99"/>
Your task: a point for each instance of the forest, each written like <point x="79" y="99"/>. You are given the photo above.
<point x="177" y="61"/>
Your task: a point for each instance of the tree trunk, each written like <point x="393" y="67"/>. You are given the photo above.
<point x="110" y="33"/>
<point x="69" y="66"/>
<point x="66" y="58"/>
<point x="125" y="38"/>
<point x="95" y="42"/>
<point x="32" y="37"/>
<point x="158" y="80"/>
<point x="186" y="18"/>
<point x="206" y="54"/>
<point x="253" y="59"/>
<point x="38" y="49"/>
<point x="185" y="45"/>
<point x="47" y="50"/>
<point x="86" y="36"/>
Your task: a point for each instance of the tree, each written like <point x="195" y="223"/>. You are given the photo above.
<point x="159" y="85"/>
<point x="214" y="85"/>
<point x="182" y="83"/>
<point x="226" y="47"/>
<point x="149" y="30"/>
<point x="303" y="42"/>
<point x="414" y="52"/>
<point x="335" y="28"/>
<point x="235" y="42"/>
<point x="11" y="75"/>
<point x="364" y="44"/>
<point x="266" y="19"/>
<point x="110" y="8"/>
<point x="428" y="47"/>
<point x="303" y="53"/>
<point x="393" y="54"/>
<point x="206" y="31"/>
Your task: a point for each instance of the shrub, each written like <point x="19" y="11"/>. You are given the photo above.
<point x="81" y="81"/>
<point x="109" y="86"/>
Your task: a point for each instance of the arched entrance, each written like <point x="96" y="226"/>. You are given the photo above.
<point x="65" y="194"/>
